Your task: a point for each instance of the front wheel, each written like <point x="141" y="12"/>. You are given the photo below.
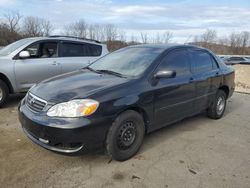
<point x="125" y="136"/>
<point x="217" y="108"/>
<point x="4" y="92"/>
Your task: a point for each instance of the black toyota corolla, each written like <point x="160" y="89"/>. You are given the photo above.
<point x="113" y="102"/>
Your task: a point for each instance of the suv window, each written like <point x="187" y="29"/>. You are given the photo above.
<point x="33" y="50"/>
<point x="178" y="61"/>
<point x="94" y="50"/>
<point x="42" y="50"/>
<point x="80" y="50"/>
<point x="48" y="49"/>
<point x="202" y="61"/>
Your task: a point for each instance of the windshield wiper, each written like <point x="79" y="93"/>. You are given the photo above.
<point x="111" y="72"/>
<point x="89" y="68"/>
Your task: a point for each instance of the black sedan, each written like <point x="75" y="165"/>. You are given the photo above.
<point x="119" y="98"/>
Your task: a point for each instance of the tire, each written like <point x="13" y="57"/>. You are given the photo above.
<point x="4" y="93"/>
<point x="125" y="136"/>
<point x="218" y="106"/>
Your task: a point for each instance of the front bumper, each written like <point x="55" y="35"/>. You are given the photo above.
<point x="64" y="135"/>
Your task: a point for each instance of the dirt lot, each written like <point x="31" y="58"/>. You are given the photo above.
<point x="242" y="78"/>
<point x="197" y="152"/>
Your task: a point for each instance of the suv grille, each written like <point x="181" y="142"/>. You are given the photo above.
<point x="35" y="103"/>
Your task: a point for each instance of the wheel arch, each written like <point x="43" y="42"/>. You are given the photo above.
<point x="142" y="112"/>
<point x="7" y="82"/>
<point x="225" y="89"/>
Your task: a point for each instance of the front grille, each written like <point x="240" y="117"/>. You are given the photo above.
<point x="35" y="103"/>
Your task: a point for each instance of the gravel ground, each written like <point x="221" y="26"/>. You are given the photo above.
<point x="242" y="78"/>
<point x="197" y="152"/>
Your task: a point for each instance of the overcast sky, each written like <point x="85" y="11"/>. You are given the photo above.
<point x="185" y="18"/>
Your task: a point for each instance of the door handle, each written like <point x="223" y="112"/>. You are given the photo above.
<point x="54" y="63"/>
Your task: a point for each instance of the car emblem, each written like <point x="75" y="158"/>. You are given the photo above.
<point x="32" y="101"/>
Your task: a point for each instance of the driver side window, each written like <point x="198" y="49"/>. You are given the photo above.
<point x="177" y="60"/>
<point x="42" y="50"/>
<point x="33" y="50"/>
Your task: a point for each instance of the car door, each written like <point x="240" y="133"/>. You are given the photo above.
<point x="76" y="55"/>
<point x="205" y="76"/>
<point x="174" y="96"/>
<point x="41" y="64"/>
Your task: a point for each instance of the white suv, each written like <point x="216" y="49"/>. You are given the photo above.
<point x="31" y="60"/>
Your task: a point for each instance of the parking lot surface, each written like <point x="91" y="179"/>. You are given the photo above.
<point x="196" y="152"/>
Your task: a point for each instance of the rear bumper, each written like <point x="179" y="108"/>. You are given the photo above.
<point x="64" y="135"/>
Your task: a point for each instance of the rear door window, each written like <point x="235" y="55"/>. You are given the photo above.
<point x="94" y="50"/>
<point x="48" y="49"/>
<point x="72" y="50"/>
<point x="201" y="61"/>
<point x="80" y="50"/>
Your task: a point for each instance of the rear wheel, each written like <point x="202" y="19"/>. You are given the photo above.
<point x="125" y="136"/>
<point x="217" y="108"/>
<point x="4" y="92"/>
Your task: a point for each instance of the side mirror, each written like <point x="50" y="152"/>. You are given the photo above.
<point x="165" y="74"/>
<point x="24" y="54"/>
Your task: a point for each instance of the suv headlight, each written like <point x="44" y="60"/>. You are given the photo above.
<point x="74" y="108"/>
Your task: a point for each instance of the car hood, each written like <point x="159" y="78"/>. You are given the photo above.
<point x="75" y="85"/>
<point x="3" y="58"/>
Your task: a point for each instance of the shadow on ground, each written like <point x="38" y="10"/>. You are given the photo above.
<point x="14" y="100"/>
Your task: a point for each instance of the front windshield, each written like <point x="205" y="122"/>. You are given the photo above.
<point x="13" y="46"/>
<point x="128" y="61"/>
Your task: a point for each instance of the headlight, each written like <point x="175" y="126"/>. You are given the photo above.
<point x="74" y="108"/>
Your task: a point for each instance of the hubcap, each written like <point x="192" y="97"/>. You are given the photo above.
<point x="220" y="105"/>
<point x="127" y="135"/>
<point x="1" y="94"/>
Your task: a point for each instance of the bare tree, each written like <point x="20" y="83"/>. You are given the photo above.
<point x="235" y="42"/>
<point x="167" y="37"/>
<point x="31" y="27"/>
<point x="9" y="27"/>
<point x="99" y="32"/>
<point x="144" y="37"/>
<point x="122" y="35"/>
<point x="133" y="39"/>
<point x="35" y="26"/>
<point x="12" y="20"/>
<point x="233" y="38"/>
<point x="245" y="41"/>
<point x="47" y="27"/>
<point x="91" y="32"/>
<point x="209" y="36"/>
<point x="156" y="39"/>
<point x="78" y="29"/>
<point x="110" y="32"/>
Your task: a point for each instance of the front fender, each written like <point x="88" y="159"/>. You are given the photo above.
<point x="129" y="100"/>
<point x="142" y="104"/>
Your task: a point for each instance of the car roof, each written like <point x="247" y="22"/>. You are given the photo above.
<point x="165" y="46"/>
<point x="66" y="38"/>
